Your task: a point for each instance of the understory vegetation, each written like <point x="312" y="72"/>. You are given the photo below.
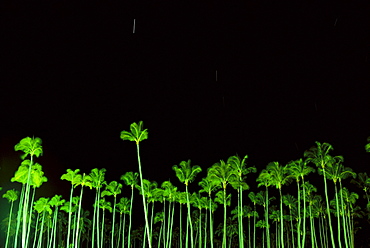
<point x="313" y="201"/>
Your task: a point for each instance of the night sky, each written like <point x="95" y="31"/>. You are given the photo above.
<point x="288" y="74"/>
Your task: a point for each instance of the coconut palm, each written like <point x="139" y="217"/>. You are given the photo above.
<point x="186" y="174"/>
<point x="75" y="180"/>
<point x="130" y="179"/>
<point x="337" y="172"/>
<point x="97" y="180"/>
<point x="208" y="186"/>
<point x="104" y="205"/>
<point x="113" y="188"/>
<point x="123" y="208"/>
<point x="239" y="165"/>
<point x="367" y="146"/>
<point x="264" y="179"/>
<point x="42" y="206"/>
<point x="279" y="176"/>
<point x="85" y="181"/>
<point x="291" y="202"/>
<point x="169" y="194"/>
<point x="222" y="174"/>
<point x="298" y="169"/>
<point x="256" y="199"/>
<point x="30" y="147"/>
<point x="139" y="134"/>
<point x="55" y="202"/>
<point x="11" y="195"/>
<point x="319" y="155"/>
<point x="363" y="182"/>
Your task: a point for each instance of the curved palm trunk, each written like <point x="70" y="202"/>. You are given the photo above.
<point x="78" y="218"/>
<point x="338" y="215"/>
<point x="328" y="209"/>
<point x="189" y="217"/>
<point x="142" y="191"/>
<point x="224" y="235"/>
<point x="10" y="221"/>
<point x="281" y="219"/>
<point x="130" y="221"/>
<point x="299" y="216"/>
<point x="267" y="219"/>
<point x="304" y="216"/>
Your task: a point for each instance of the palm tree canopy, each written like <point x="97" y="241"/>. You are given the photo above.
<point x="11" y="195"/>
<point x="299" y="169"/>
<point x="185" y="172"/>
<point x="137" y="133"/>
<point x="278" y="174"/>
<point x="97" y="177"/>
<point x="208" y="185"/>
<point x="42" y="205"/>
<point x="56" y="201"/>
<point x="30" y="146"/>
<point x="36" y="175"/>
<point x="222" y="174"/>
<point x="73" y="177"/>
<point x="319" y="154"/>
<point x="113" y="188"/>
<point x="130" y="178"/>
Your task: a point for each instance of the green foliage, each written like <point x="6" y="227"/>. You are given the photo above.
<point x="11" y="195"/>
<point x="185" y="172"/>
<point x="36" y="174"/>
<point x="30" y="146"/>
<point x="137" y="133"/>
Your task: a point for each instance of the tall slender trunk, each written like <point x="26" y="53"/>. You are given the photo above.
<point x="281" y="219"/>
<point x="328" y="206"/>
<point x="189" y="218"/>
<point x="130" y="221"/>
<point x="142" y="191"/>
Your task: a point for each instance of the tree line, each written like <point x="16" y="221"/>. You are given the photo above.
<point x="173" y="218"/>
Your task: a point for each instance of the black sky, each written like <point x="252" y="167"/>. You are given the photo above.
<point x="75" y="75"/>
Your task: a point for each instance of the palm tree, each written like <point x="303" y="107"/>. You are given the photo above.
<point x="139" y="134"/>
<point x="186" y="174"/>
<point x="291" y="202"/>
<point x="363" y="182"/>
<point x="113" y="188"/>
<point x="337" y="172"/>
<point x="85" y="181"/>
<point x="264" y="179"/>
<point x="32" y="147"/>
<point x="169" y="194"/>
<point x="319" y="155"/>
<point x="279" y="176"/>
<point x="42" y="206"/>
<point x="298" y="169"/>
<point x="367" y="146"/>
<point x="208" y="186"/>
<point x="97" y="180"/>
<point x="104" y="205"/>
<point x="124" y="208"/>
<point x="75" y="180"/>
<point x="55" y="201"/>
<point x="222" y="174"/>
<point x="12" y="196"/>
<point x="256" y="199"/>
<point x="239" y="165"/>
<point x="130" y="179"/>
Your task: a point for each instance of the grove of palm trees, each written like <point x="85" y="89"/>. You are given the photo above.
<point x="312" y="201"/>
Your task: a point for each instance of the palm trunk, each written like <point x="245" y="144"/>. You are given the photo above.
<point x="130" y="221"/>
<point x="328" y="208"/>
<point x="189" y="218"/>
<point x="142" y="191"/>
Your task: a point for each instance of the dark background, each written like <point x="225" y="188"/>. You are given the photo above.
<point x="288" y="74"/>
